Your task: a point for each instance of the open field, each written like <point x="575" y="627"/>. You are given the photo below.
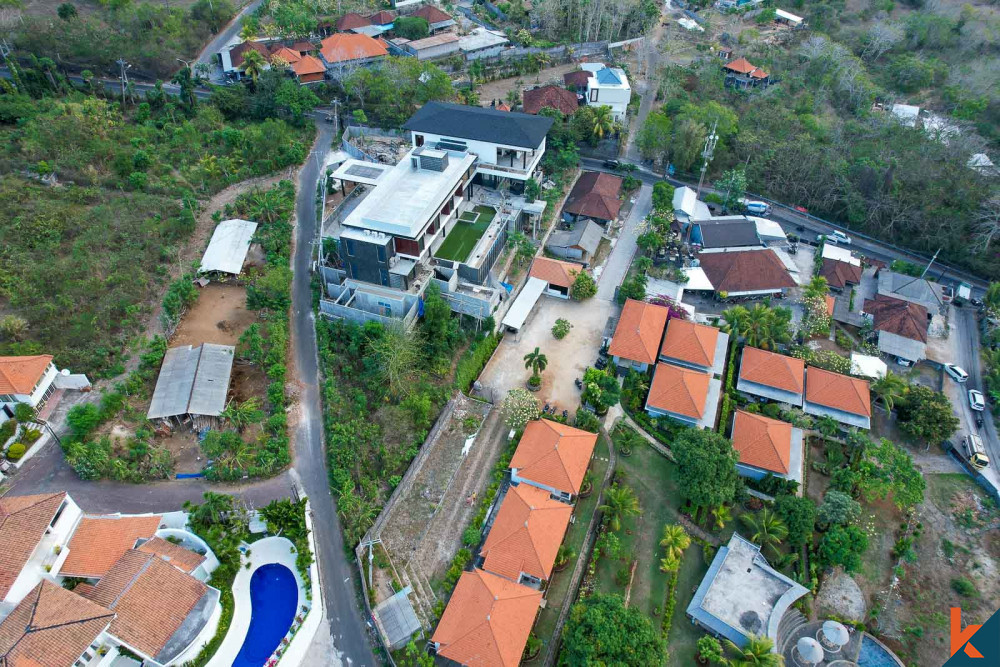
<point x="466" y="234"/>
<point x="219" y="316"/>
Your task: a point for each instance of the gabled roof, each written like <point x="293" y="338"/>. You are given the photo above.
<point x="554" y="455"/>
<point x="763" y="442"/>
<point x="290" y="56"/>
<point x="99" y="541"/>
<point x="487" y="621"/>
<point x="555" y="97"/>
<point x="554" y="271"/>
<point x="897" y="316"/>
<point x="192" y="380"/>
<point x="679" y="390"/>
<point x="303" y="47"/>
<point x="308" y="65"/>
<point x="595" y="195"/>
<point x="151" y="600"/>
<point x="23" y="522"/>
<point x="743" y="66"/>
<point x="639" y="331"/>
<point x="19" y="375"/>
<point x="227" y="251"/>
<point x="690" y="342"/>
<point x="839" y="392"/>
<point x="50" y="627"/>
<point x="352" y="20"/>
<point x="431" y="14"/>
<point x="578" y="78"/>
<point x="384" y="17"/>
<point x="181" y="558"/>
<point x="345" y="47"/>
<point x="480" y="124"/>
<point x="746" y="271"/>
<point x="526" y="533"/>
<point x="773" y="370"/>
<point x="839" y="274"/>
<point x="585" y="235"/>
<point x="237" y="52"/>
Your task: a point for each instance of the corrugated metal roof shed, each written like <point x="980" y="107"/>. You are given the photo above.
<point x="192" y="380"/>
<point x="228" y="248"/>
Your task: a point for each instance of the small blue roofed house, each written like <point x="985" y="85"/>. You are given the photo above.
<point x="742" y="595"/>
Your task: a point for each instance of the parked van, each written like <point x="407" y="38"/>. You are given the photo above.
<point x="757" y="207"/>
<point x="975" y="453"/>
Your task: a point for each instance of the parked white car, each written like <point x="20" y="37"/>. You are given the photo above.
<point x="976" y="400"/>
<point x="839" y="237"/>
<point x="956" y="372"/>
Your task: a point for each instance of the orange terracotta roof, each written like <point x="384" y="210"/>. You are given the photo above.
<point x="679" y="390"/>
<point x="19" y="375"/>
<point x="344" y="47"/>
<point x="690" y="342"/>
<point x="352" y="20"/>
<point x="773" y="370"/>
<point x="150" y="598"/>
<point x="554" y="454"/>
<point x="181" y="558"/>
<point x="431" y="14"/>
<point x="744" y="66"/>
<point x="526" y="533"/>
<point x="487" y="621"/>
<point x="23" y="522"/>
<point x="840" y="392"/>
<point x="763" y="442"/>
<point x="640" y="328"/>
<point x="303" y="47"/>
<point x="554" y="97"/>
<point x="554" y="271"/>
<point x="100" y="541"/>
<point x="50" y="627"/>
<point x="384" y="17"/>
<point x="290" y="56"/>
<point x="830" y="303"/>
<point x="502" y="106"/>
<point x="308" y="65"/>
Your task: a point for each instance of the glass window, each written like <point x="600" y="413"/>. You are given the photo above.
<point x="349" y="244"/>
<point x="381" y="254"/>
<point x="593" y="95"/>
<point x="384" y="275"/>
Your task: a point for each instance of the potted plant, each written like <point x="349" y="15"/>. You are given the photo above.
<point x="536" y="361"/>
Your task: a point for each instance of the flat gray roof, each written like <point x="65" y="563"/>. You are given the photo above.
<point x="228" y="248"/>
<point x="192" y="380"/>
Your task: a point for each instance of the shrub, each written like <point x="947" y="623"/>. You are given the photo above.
<point x="561" y="328"/>
<point x="16" y="451"/>
<point x="7" y="430"/>
<point x="31" y="435"/>
<point x="964" y="587"/>
<point x="471" y="536"/>
<point x="587" y="421"/>
<point x="583" y="287"/>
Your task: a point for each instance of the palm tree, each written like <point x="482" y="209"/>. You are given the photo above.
<point x="669" y="564"/>
<point x="675" y="540"/>
<point x="889" y="389"/>
<point x="248" y="31"/>
<point x="816" y="287"/>
<point x="827" y="425"/>
<point x="643" y="264"/>
<point x="536" y="361"/>
<point x="767" y="530"/>
<point x="756" y="653"/>
<point x="722" y="516"/>
<point x="241" y="415"/>
<point x="619" y="502"/>
<point x="253" y="64"/>
<point x="604" y="122"/>
<point x="992" y="297"/>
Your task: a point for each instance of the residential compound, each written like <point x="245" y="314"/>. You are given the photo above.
<point x="442" y="214"/>
<point x="83" y="590"/>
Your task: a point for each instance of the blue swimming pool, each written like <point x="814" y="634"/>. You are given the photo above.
<point x="274" y="596"/>
<point x="873" y="654"/>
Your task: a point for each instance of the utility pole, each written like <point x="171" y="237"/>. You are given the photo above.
<point x="336" y="117"/>
<point x="928" y="267"/>
<point x="123" y="77"/>
<point x="710" y="141"/>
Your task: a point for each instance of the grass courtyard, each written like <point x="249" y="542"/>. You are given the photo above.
<point x="468" y="230"/>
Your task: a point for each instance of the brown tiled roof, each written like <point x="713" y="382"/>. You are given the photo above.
<point x="578" y="78"/>
<point x="343" y="47"/>
<point x="236" y="53"/>
<point x="840" y="392"/>
<point x="554" y="271"/>
<point x="762" y="442"/>
<point x="290" y="56"/>
<point x="554" y="454"/>
<point x="19" y="375"/>
<point x="743" y="66"/>
<point x="181" y="558"/>
<point x="308" y="65"/>
<point x="595" y="195"/>
<point x="303" y="47"/>
<point x="50" y="627"/>
<point x="352" y="20"/>
<point x="899" y="317"/>
<point x="502" y="106"/>
<point x="746" y="271"/>
<point x="640" y="328"/>
<point x="487" y="621"/>
<point x="679" y="390"/>
<point x="773" y="370"/>
<point x="690" y="342"/>
<point x="526" y="533"/>
<point x="431" y="14"/>
<point x="150" y="598"/>
<point x="554" y="97"/>
<point x="100" y="541"/>
<point x="384" y="17"/>
<point x="23" y="522"/>
<point x="839" y="274"/>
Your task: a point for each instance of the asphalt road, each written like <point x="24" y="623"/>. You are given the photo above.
<point x="347" y="627"/>
<point x="969" y="359"/>
<point x="231" y="30"/>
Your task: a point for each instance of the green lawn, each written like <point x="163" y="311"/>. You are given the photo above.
<point x="463" y="238"/>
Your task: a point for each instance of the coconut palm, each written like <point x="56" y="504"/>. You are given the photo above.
<point x="889" y="389"/>
<point x="761" y="326"/>
<point x="619" y="502"/>
<point x="722" y="515"/>
<point x="827" y="426"/>
<point x="766" y="530"/>
<point x="756" y="653"/>
<point x="669" y="564"/>
<point x="253" y="64"/>
<point x="536" y="361"/>
<point x="816" y="287"/>
<point x="248" y="31"/>
<point x="674" y="541"/>
<point x="603" y="122"/>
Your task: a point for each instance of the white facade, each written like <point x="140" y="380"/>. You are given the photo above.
<point x="609" y="87"/>
<point x="37" y="395"/>
<point x="503" y="160"/>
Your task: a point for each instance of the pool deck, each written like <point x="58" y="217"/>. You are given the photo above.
<point x="264" y="552"/>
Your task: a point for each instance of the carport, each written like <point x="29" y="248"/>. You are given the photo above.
<point x="192" y="381"/>
<point x="525" y="302"/>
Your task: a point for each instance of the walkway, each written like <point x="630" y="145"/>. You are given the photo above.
<point x="621" y="255"/>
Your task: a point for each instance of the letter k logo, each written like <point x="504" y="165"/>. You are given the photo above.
<point x="960" y="637"/>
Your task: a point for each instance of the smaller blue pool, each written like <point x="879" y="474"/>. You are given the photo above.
<point x="873" y="654"/>
<point x="274" y="596"/>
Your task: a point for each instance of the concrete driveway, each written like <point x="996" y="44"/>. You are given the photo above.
<point x="614" y="271"/>
<point x="567" y="357"/>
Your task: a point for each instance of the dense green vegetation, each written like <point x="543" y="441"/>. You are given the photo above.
<point x="129" y="190"/>
<point x="815" y="140"/>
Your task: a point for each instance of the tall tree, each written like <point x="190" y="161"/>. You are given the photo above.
<point x="619" y="502"/>
<point x="889" y="389"/>
<point x="601" y="630"/>
<point x="603" y="123"/>
<point x="755" y="653"/>
<point x="766" y="529"/>
<point x="706" y="468"/>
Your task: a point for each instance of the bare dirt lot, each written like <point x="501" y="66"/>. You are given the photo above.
<point x="497" y="90"/>
<point x="219" y="316"/>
